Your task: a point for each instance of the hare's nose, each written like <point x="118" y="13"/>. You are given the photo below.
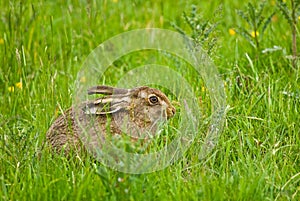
<point x="171" y="112"/>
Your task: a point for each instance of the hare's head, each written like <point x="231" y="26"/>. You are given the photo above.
<point x="139" y="109"/>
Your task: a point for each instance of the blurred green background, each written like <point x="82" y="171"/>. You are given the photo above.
<point x="43" y="45"/>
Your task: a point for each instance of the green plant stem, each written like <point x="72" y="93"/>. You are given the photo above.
<point x="294" y="35"/>
<point x="256" y="43"/>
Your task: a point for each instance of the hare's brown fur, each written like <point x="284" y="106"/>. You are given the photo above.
<point x="129" y="107"/>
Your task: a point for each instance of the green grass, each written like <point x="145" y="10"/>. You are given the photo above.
<point x="44" y="44"/>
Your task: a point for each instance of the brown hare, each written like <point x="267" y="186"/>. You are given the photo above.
<point x="136" y="112"/>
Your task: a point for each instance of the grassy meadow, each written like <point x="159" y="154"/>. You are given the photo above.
<point x="43" y="45"/>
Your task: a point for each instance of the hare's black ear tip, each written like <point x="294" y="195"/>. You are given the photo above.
<point x="106" y="90"/>
<point x="93" y="89"/>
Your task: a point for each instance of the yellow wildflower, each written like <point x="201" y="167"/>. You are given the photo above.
<point x="254" y="34"/>
<point x="232" y="32"/>
<point x="83" y="79"/>
<point x="19" y="85"/>
<point x="115" y="1"/>
<point x="11" y="89"/>
<point x="1" y="41"/>
<point x="203" y="89"/>
<point x="274" y="18"/>
<point x="273" y="2"/>
<point x="299" y="17"/>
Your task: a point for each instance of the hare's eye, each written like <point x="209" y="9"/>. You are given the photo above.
<point x="153" y="99"/>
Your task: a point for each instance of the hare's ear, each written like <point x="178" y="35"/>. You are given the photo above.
<point x="106" y="105"/>
<point x="107" y="90"/>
